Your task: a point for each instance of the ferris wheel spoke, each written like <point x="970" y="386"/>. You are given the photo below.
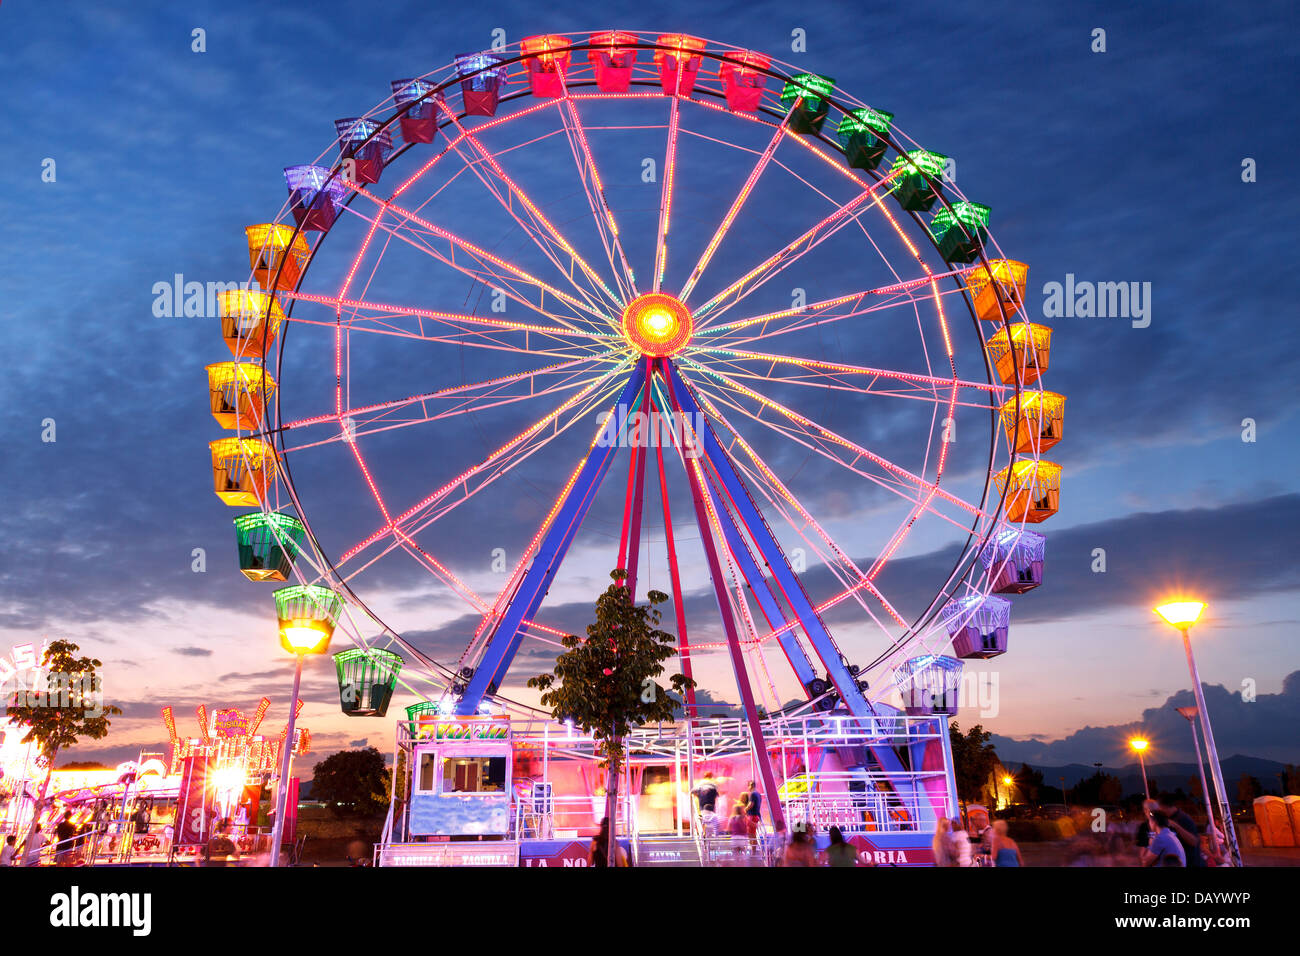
<point x="535" y="431"/>
<point x="488" y="277"/>
<point x="455" y="320"/>
<point x="482" y="338"/>
<point x="899" y="477"/>
<point x="793" y="251"/>
<point x="780" y="496"/>
<point x="738" y="203"/>
<point x="451" y="391"/>
<point x="666" y="192"/>
<point x="798" y="318"/>
<point x="536" y="214"/>
<point x="838" y="376"/>
<point x="359" y="427"/>
<point x="486" y="260"/>
<point x="597" y="199"/>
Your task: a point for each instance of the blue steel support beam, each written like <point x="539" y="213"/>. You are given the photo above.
<point x="509" y="632"/>
<point x="846" y="684"/>
<point x="761" y="587"/>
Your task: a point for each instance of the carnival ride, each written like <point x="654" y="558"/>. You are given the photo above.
<point x="800" y="427"/>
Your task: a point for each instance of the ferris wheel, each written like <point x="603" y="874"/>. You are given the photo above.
<point x="750" y="288"/>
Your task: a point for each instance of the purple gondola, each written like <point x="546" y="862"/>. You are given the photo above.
<point x="314" y="196"/>
<point x="978" y="626"/>
<point x="1015" y="560"/>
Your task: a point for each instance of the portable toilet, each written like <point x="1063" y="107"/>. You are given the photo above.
<point x="1274" y="821"/>
<point x="1293" y="811"/>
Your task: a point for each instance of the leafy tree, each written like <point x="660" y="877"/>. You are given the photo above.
<point x="1248" y="788"/>
<point x="1291" y="780"/>
<point x="974" y="760"/>
<point x="606" y="684"/>
<point x="1029" y="780"/>
<point x="69" y="708"/>
<point x="353" y="782"/>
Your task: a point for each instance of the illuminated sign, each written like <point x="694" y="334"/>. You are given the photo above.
<point x="469" y="728"/>
<point x="230" y="723"/>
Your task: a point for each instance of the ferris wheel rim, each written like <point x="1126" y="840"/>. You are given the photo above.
<point x="968" y="552"/>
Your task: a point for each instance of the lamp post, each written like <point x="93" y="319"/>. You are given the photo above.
<point x="1140" y="745"/>
<point x="1009" y="782"/>
<point x="1182" y="615"/>
<point x="307" y="614"/>
<point x="1190" y="713"/>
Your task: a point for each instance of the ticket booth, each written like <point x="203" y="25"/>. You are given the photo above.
<point x="461" y="779"/>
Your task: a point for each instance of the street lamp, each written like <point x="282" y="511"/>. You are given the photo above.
<point x="307" y="614"/>
<point x="1190" y="713"/>
<point x="1182" y="615"/>
<point x="1140" y="745"/>
<point x="1008" y="782"/>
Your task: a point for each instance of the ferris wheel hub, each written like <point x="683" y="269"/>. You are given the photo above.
<point x="657" y="324"/>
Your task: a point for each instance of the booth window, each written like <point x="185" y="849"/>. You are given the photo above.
<point x="428" y="762"/>
<point x="474" y="775"/>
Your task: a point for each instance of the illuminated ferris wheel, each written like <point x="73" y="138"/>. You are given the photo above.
<point x="747" y="286"/>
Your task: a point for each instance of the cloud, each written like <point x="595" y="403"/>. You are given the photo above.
<point x="192" y="651"/>
<point x="1262" y="727"/>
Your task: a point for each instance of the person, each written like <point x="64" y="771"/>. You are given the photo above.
<point x="7" y="854"/>
<point x="1006" y="852"/>
<point x="1164" y="847"/>
<point x="802" y="848"/>
<point x="1185" y="829"/>
<point x="753" y="812"/>
<point x="1213" y="847"/>
<point x="706" y="799"/>
<point x="840" y="852"/>
<point x="1143" y="835"/>
<point x="64" y="831"/>
<point x="34" y="846"/>
<point x="221" y="848"/>
<point x="961" y="852"/>
<point x="598" y="855"/>
<point x="941" y="846"/>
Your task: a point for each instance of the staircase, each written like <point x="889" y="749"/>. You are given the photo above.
<point x="668" y="851"/>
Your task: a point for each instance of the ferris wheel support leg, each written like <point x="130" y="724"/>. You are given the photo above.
<point x="573" y="507"/>
<point x="629" y="549"/>
<point x="846" y="684"/>
<point x="679" y="609"/>
<point x="770" y="791"/>
<point x="762" y="590"/>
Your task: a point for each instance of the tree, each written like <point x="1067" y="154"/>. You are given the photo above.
<point x="353" y="782"/>
<point x="974" y="759"/>
<point x="69" y="708"/>
<point x="606" y="683"/>
<point x="1029" y="781"/>
<point x="1248" y="788"/>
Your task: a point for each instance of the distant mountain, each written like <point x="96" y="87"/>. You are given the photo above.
<point x="1244" y="723"/>
<point x="1163" y="776"/>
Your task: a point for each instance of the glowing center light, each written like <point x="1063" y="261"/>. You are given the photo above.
<point x="1139" y="745"/>
<point x="657" y="324"/>
<point x="1181" y="614"/>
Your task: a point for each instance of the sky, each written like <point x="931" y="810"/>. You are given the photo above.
<point x="1128" y="165"/>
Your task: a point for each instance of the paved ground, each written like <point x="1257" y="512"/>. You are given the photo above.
<point x="1058" y="853"/>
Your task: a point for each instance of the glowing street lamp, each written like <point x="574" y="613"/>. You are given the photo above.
<point x="307" y="614"/>
<point x="1182" y="615"/>
<point x="1140" y="745"/>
